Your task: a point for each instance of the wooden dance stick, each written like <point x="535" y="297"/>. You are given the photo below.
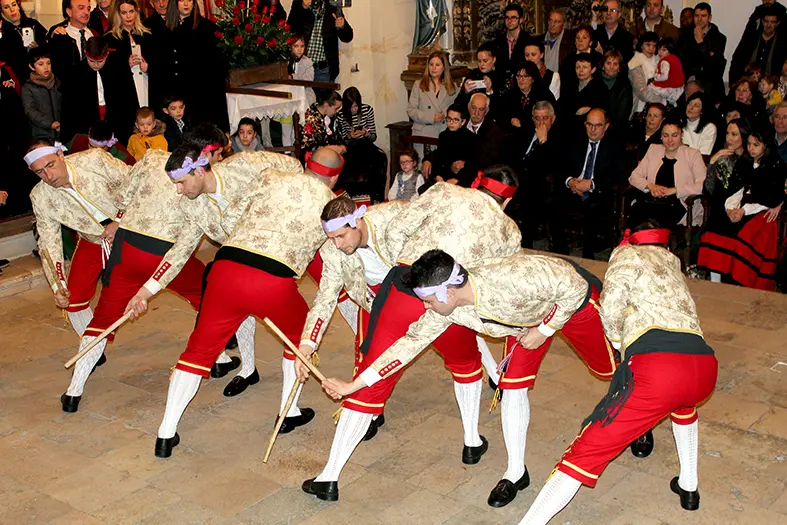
<point x="280" y="419"/>
<point x="305" y="360"/>
<point x="98" y="339"/>
<point x="52" y="269"/>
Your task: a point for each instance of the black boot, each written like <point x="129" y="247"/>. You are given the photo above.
<point x="324" y="490"/>
<point x="505" y="491"/>
<point x="70" y="403"/>
<point x="164" y="446"/>
<point x="643" y="446"/>
<point x="291" y="423"/>
<point x="239" y="384"/>
<point x="222" y="369"/>
<point x="472" y="455"/>
<point x="689" y="500"/>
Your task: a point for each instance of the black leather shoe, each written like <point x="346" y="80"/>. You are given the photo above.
<point x="164" y="446"/>
<point x="70" y="403"/>
<point x="324" y="490"/>
<point x="239" y="384"/>
<point x="688" y="500"/>
<point x="4" y="263"/>
<point x="643" y="446"/>
<point x="232" y="344"/>
<point x="222" y="369"/>
<point x="505" y="491"/>
<point x="472" y="455"/>
<point x="101" y="361"/>
<point x="373" y="426"/>
<point x="291" y="423"/>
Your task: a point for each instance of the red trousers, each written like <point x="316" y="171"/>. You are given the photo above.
<point x="585" y="333"/>
<point x="127" y="278"/>
<point x="457" y="345"/>
<point x="664" y="385"/>
<point x="234" y="292"/>
<point x="86" y="268"/>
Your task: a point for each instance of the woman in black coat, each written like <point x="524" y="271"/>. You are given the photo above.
<point x="14" y="24"/>
<point x="515" y="113"/>
<point x="186" y="60"/>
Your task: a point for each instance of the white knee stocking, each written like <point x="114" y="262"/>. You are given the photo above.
<point x="245" y="336"/>
<point x="350" y="431"/>
<point x="350" y="311"/>
<point x="515" y="415"/>
<point x="468" y="395"/>
<point x="488" y="360"/>
<point x="183" y="387"/>
<point x="288" y="378"/>
<point x="558" y="491"/>
<point x="223" y="357"/>
<point x="715" y="277"/>
<point x="687" y="441"/>
<point x="80" y="320"/>
<point x="84" y="366"/>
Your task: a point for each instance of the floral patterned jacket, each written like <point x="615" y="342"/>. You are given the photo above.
<point x="315" y="133"/>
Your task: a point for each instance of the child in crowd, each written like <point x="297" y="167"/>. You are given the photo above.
<point x="87" y="93"/>
<point x="279" y="131"/>
<point x="101" y="136"/>
<point x="246" y="138"/>
<point x="41" y="96"/>
<point x="669" y="79"/>
<point x="753" y="71"/>
<point x="149" y="134"/>
<point x="406" y="183"/>
<point x="452" y="160"/>
<point x="767" y="87"/>
<point x="783" y="82"/>
<point x="175" y="120"/>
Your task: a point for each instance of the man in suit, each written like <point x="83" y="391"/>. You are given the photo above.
<point x="591" y="170"/>
<point x="99" y="18"/>
<point x="612" y="35"/>
<point x="69" y="42"/>
<point x="510" y="47"/>
<point x="653" y="21"/>
<point x="558" y="42"/>
<point x="491" y="140"/>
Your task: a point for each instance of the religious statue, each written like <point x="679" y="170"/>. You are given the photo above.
<point x="430" y="23"/>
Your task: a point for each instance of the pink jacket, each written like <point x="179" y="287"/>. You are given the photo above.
<point x="689" y="175"/>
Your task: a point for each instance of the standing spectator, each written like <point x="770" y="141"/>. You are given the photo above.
<point x="14" y="45"/>
<point x="324" y="25"/>
<point x="516" y="108"/>
<point x="654" y="22"/>
<point x="432" y="96"/>
<point x="319" y="123"/>
<point x="69" y="42"/>
<point x="534" y="52"/>
<point x="406" y="183"/>
<point x="669" y="79"/>
<point x="611" y="34"/>
<point x="699" y="132"/>
<point x="754" y="24"/>
<point x="176" y="121"/>
<point x="149" y="134"/>
<point x="558" y="43"/>
<point x="280" y="131"/>
<point x="621" y="98"/>
<point x="587" y="92"/>
<point x="510" y="47"/>
<point x="100" y="18"/>
<point x="41" y="96"/>
<point x="642" y="68"/>
<point x="246" y="138"/>
<point x="687" y="19"/>
<point x="583" y="45"/>
<point x="767" y="47"/>
<point x="486" y="78"/>
<point x="701" y="51"/>
<point x="130" y="43"/>
<point x="160" y="15"/>
<point x="779" y="119"/>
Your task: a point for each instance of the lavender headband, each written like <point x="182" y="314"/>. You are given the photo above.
<point x="43" y="151"/>
<point x="104" y="143"/>
<point x="187" y="166"/>
<point x="441" y="290"/>
<point x="350" y="220"/>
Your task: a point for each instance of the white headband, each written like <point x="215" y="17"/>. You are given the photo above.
<point x="43" y="151"/>
<point x="350" y="220"/>
<point x="441" y="290"/>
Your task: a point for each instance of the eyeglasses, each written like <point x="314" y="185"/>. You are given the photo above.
<point x="614" y="10"/>
<point x="512" y="18"/>
<point x="590" y="125"/>
<point x="403" y="162"/>
<point x="49" y="165"/>
<point x="452" y="119"/>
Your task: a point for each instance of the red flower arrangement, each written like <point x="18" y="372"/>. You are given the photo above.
<point x="246" y="35"/>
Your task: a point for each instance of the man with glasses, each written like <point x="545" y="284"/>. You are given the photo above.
<point x="592" y="168"/>
<point x="611" y="34"/>
<point x="510" y="47"/>
<point x="654" y="21"/>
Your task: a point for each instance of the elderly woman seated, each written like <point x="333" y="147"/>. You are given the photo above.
<point x="669" y="173"/>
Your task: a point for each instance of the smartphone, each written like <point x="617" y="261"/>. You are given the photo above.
<point x="28" y="36"/>
<point x="136" y="50"/>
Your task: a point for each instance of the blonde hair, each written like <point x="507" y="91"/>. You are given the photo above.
<point x="117" y="23"/>
<point x="448" y="81"/>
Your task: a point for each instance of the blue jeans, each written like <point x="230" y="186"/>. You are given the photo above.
<point x="322" y="74"/>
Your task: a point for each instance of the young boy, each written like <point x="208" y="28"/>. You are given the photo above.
<point x="41" y="96"/>
<point x="101" y="136"/>
<point x="451" y="161"/>
<point x="149" y="135"/>
<point x="175" y="119"/>
<point x="86" y="97"/>
<point x="406" y="183"/>
<point x="768" y="89"/>
<point x="246" y="138"/>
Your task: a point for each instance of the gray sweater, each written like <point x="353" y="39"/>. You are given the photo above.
<point x="42" y="108"/>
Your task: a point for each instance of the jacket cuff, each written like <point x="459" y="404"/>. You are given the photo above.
<point x="370" y="376"/>
<point x="153" y="286"/>
<point x="616" y="345"/>
<point x="310" y="343"/>
<point x="545" y="330"/>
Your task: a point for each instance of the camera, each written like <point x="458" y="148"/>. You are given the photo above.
<point x="600" y="8"/>
<point x="338" y="5"/>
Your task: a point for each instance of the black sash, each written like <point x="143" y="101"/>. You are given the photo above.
<point x="142" y="242"/>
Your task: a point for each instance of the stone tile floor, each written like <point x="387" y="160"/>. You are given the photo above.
<point x="97" y="466"/>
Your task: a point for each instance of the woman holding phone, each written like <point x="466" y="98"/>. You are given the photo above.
<point x="20" y="33"/>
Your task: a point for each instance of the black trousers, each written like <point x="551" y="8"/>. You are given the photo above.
<point x="571" y="212"/>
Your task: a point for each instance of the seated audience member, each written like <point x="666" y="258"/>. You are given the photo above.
<point x="782" y="87"/>
<point x="534" y="52"/>
<point x="641" y="69"/>
<point x="491" y="141"/>
<point x="621" y="98"/>
<point x="779" y="120"/>
<point x="753" y="72"/>
<point x="669" y="80"/>
<point x="765" y="46"/>
<point x="701" y="52"/>
<point x="592" y="168"/>
<point x="699" y="132"/>
<point x="175" y="119"/>
<point x="149" y="134"/>
<point x="586" y="93"/>
<point x="453" y="160"/>
<point x="101" y="136"/>
<point x="515" y="110"/>
<point x="319" y="125"/>
<point x="610" y="33"/>
<point x="669" y="173"/>
<point x="483" y="79"/>
<point x="767" y="87"/>
<point x="365" y="164"/>
<point x="41" y="96"/>
<point x="741" y="242"/>
<point x="746" y="92"/>
<point x="14" y="44"/>
<point x="246" y="138"/>
<point x="431" y="97"/>
<point x="407" y="181"/>
<point x="646" y="131"/>
<point x="583" y="44"/>
<point x="722" y="178"/>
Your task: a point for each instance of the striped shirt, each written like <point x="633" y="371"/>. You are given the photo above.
<point x="363" y="119"/>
